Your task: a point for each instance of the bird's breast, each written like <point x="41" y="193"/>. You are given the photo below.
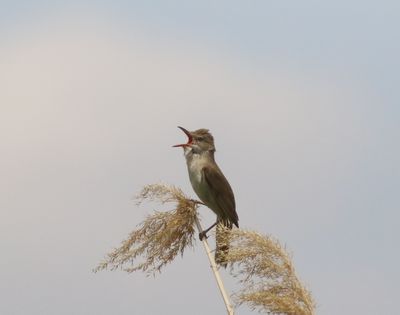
<point x="195" y="167"/>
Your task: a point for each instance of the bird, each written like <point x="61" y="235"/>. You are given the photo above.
<point x="210" y="185"/>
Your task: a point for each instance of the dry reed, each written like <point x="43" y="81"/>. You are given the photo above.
<point x="160" y="237"/>
<point x="267" y="275"/>
<point x="262" y="266"/>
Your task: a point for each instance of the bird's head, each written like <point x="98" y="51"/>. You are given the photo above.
<point x="199" y="141"/>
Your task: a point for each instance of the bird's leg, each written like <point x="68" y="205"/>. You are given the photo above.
<point x="203" y="234"/>
<point x="196" y="202"/>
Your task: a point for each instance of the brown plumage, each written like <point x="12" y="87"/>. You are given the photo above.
<point x="209" y="182"/>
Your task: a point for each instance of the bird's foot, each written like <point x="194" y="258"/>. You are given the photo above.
<point x="203" y="235"/>
<point x="196" y="202"/>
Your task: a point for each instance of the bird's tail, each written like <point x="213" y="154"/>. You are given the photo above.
<point x="222" y="238"/>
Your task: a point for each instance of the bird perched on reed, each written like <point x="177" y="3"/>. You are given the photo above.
<point x="210" y="185"/>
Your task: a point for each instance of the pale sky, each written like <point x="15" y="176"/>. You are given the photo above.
<point x="302" y="99"/>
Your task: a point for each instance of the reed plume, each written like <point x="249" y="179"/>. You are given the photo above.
<point x="262" y="266"/>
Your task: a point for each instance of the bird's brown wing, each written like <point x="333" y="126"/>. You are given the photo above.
<point x="222" y="194"/>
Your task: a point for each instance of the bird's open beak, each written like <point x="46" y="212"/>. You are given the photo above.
<point x="190" y="139"/>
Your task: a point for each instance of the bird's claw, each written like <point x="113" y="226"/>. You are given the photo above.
<point x="203" y="235"/>
<point x="196" y="202"/>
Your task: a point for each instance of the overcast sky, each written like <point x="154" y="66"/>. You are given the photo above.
<point x="302" y="99"/>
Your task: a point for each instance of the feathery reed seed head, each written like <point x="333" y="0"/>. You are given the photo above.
<point x="263" y="267"/>
<point x="160" y="237"/>
<point x="266" y="272"/>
